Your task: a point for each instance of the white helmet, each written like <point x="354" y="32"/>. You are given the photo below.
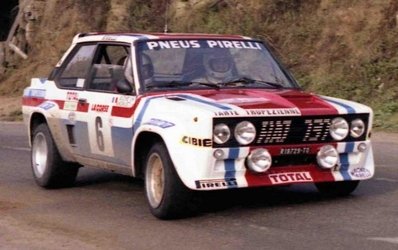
<point x="218" y="65"/>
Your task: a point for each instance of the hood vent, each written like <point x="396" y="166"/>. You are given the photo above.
<point x="175" y="98"/>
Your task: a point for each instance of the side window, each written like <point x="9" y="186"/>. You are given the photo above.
<point x="75" y="72"/>
<point x="108" y="68"/>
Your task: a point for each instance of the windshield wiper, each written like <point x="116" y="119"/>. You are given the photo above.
<point x="209" y="84"/>
<point x="180" y="84"/>
<point x="249" y="80"/>
<point x="166" y="84"/>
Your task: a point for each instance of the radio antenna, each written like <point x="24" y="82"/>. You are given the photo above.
<point x="166" y="17"/>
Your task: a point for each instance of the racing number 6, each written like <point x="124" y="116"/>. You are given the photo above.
<point x="100" y="135"/>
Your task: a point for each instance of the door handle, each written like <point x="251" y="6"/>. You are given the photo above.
<point x="82" y="100"/>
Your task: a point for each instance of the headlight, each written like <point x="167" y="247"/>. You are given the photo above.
<point x="357" y="128"/>
<point x="221" y="133"/>
<point x="245" y="132"/>
<point x="328" y="157"/>
<point x="339" y="128"/>
<point x="259" y="160"/>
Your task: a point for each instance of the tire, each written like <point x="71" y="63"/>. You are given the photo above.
<point x="167" y="196"/>
<point x="342" y="188"/>
<point x="49" y="170"/>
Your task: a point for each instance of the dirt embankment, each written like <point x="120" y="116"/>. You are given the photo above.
<point x="347" y="49"/>
<point x="10" y="108"/>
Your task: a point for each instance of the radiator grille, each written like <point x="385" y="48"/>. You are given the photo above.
<point x="290" y="130"/>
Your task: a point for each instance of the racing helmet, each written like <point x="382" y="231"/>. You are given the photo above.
<point x="218" y="65"/>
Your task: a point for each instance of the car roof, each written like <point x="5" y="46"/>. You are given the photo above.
<point x="131" y="37"/>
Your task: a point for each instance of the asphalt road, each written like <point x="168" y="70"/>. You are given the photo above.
<point x="109" y="211"/>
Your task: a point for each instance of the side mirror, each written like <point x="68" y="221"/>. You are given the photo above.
<point x="122" y="86"/>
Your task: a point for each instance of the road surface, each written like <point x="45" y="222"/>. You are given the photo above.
<point x="109" y="211"/>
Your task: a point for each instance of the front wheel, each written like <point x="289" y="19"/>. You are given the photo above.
<point x="341" y="188"/>
<point x="49" y="170"/>
<point x="167" y="196"/>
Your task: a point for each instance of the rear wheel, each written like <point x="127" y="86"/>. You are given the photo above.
<point x="341" y="188"/>
<point x="167" y="196"/>
<point x="49" y="170"/>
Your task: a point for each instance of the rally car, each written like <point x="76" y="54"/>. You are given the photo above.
<point x="190" y="112"/>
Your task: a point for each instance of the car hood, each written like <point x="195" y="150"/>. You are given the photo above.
<point x="260" y="102"/>
<point x="273" y="100"/>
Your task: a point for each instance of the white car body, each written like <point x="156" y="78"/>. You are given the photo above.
<point x="108" y="129"/>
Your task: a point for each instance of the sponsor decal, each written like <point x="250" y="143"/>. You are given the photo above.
<point x="123" y="101"/>
<point x="80" y="82"/>
<point x="274" y="131"/>
<point x="47" y="105"/>
<point x="160" y="123"/>
<point x="37" y="93"/>
<point x="100" y="108"/>
<point x="261" y="112"/>
<point x="72" y="96"/>
<point x="196" y="141"/>
<point x="277" y="131"/>
<point x="295" y="151"/>
<point x="217" y="183"/>
<point x="70" y="105"/>
<point x="109" y="38"/>
<point x="317" y="129"/>
<point x="226" y="113"/>
<point x="195" y="44"/>
<point x="361" y="173"/>
<point x="292" y="177"/>
<point x="173" y="44"/>
<point x="274" y="112"/>
<point x="233" y="44"/>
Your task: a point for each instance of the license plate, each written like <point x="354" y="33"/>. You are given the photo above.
<point x="295" y="151"/>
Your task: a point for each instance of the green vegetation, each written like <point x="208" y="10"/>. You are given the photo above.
<point x="347" y="49"/>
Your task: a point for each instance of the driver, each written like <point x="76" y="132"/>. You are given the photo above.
<point x="218" y="67"/>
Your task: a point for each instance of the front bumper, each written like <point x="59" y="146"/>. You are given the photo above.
<point x="231" y="170"/>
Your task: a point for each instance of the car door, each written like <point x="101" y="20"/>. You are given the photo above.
<point x="109" y="131"/>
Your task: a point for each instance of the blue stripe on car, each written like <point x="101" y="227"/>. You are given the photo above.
<point x="230" y="169"/>
<point x="349" y="109"/>
<point x="349" y="146"/>
<point x="83" y="148"/>
<point x="214" y="104"/>
<point x="121" y="142"/>
<point x="138" y="121"/>
<point x="141" y="114"/>
<point x="345" y="164"/>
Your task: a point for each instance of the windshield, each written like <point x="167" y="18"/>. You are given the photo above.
<point x="204" y="63"/>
